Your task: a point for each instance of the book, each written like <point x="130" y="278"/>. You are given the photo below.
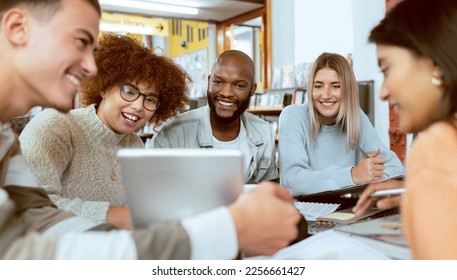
<point x="389" y="225"/>
<point x="287" y="76"/>
<point x="302" y="73"/>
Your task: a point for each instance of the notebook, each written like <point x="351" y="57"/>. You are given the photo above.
<point x="164" y="184"/>
<point x="346" y="216"/>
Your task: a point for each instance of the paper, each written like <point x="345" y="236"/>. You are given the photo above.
<point x="340" y="216"/>
<point x="327" y="245"/>
<point x="346" y="216"/>
<point x="313" y="211"/>
<point x="393" y="177"/>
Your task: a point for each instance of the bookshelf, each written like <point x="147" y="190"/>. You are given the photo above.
<point x="265" y="112"/>
<point x="269" y="104"/>
<point x="272" y="101"/>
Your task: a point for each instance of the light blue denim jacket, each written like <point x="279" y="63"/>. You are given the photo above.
<point x="192" y="129"/>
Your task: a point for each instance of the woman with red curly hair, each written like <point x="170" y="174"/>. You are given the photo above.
<point x="74" y="154"/>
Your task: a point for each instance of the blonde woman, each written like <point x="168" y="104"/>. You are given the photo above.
<point x="316" y="147"/>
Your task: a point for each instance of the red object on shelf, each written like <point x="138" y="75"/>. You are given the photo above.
<point x="397" y="137"/>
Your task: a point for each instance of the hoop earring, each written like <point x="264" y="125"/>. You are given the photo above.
<point x="436" y="80"/>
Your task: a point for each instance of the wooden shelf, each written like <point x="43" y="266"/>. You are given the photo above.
<point x="265" y="112"/>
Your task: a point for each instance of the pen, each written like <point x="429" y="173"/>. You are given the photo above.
<point x="388" y="192"/>
<point x="360" y="149"/>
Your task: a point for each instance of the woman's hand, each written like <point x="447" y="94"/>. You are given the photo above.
<point x="366" y="201"/>
<point x="369" y="170"/>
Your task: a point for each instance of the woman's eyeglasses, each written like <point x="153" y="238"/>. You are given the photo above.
<point x="130" y="94"/>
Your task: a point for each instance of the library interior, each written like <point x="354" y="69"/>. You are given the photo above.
<point x="226" y="129"/>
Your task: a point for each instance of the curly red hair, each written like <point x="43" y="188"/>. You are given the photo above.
<point x="124" y="59"/>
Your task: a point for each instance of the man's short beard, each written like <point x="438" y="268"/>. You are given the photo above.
<point x="242" y="106"/>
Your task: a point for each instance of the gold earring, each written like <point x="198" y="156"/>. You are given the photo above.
<point x="436" y="80"/>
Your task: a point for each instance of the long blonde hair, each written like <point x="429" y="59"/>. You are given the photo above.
<point x="348" y="116"/>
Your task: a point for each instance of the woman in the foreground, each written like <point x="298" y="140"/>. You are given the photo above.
<point x="416" y="44"/>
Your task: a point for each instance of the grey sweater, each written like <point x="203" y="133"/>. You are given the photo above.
<point x="309" y="168"/>
<point x="74" y="157"/>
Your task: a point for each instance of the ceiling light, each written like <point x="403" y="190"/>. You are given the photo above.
<point x="145" y="5"/>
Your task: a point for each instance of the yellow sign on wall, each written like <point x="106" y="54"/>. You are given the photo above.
<point x="133" y="24"/>
<point x="187" y="36"/>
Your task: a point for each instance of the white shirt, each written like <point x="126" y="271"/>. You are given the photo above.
<point x="241" y="144"/>
<point x="212" y="236"/>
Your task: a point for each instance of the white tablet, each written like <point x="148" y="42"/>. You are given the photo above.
<point x="164" y="184"/>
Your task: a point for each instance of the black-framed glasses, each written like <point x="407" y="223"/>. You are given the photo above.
<point x="130" y="94"/>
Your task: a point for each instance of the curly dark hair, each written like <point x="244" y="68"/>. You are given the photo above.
<point x="124" y="59"/>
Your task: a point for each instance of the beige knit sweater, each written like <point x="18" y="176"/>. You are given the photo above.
<point x="430" y="203"/>
<point x="74" y="157"/>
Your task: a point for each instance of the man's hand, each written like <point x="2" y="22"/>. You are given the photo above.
<point x="265" y="219"/>
<point x="365" y="201"/>
<point x="369" y="170"/>
<point x="120" y="217"/>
